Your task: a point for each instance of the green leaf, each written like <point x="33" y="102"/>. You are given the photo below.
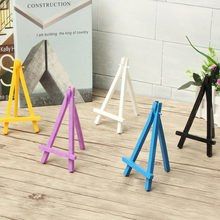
<point x="205" y="55"/>
<point x="207" y="63"/>
<point x="186" y="85"/>
<point x="197" y="83"/>
<point x="197" y="78"/>
<point x="212" y="52"/>
<point x="203" y="74"/>
<point x="205" y="68"/>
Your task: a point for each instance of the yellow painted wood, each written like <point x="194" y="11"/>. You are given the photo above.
<point x="16" y="94"/>
<point x="17" y="78"/>
<point x="20" y="119"/>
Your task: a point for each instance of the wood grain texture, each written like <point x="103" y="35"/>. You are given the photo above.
<point x="98" y="190"/>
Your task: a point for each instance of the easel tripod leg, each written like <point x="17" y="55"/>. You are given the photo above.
<point x="5" y="128"/>
<point x="152" y="154"/>
<point x="72" y="117"/>
<point x="132" y="96"/>
<point x="209" y="118"/>
<point x="79" y="130"/>
<point x="35" y="126"/>
<point x="192" y="115"/>
<point x="148" y="184"/>
<point x="213" y="124"/>
<point x="163" y="147"/>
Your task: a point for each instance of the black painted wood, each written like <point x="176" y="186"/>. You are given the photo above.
<point x="206" y="89"/>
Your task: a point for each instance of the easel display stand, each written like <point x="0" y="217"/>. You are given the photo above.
<point x="154" y="121"/>
<point x="206" y="89"/>
<point x="74" y="125"/>
<point x="126" y="81"/>
<point x="17" y="78"/>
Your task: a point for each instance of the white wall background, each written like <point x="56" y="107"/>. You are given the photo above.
<point x="152" y="34"/>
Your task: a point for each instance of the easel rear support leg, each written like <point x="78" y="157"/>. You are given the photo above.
<point x="209" y="118"/>
<point x="192" y="115"/>
<point x="79" y="130"/>
<point x="163" y="147"/>
<point x="213" y="124"/>
<point x="71" y="163"/>
<point x="132" y="96"/>
<point x="5" y="128"/>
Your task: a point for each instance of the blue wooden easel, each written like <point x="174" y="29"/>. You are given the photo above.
<point x="157" y="130"/>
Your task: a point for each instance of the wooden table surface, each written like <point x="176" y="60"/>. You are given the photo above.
<point x="97" y="189"/>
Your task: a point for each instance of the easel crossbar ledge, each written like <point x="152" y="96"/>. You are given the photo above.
<point x="108" y="115"/>
<point x="21" y="119"/>
<point x="137" y="168"/>
<point x="58" y="152"/>
<point x="196" y="138"/>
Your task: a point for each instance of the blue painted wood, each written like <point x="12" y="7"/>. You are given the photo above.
<point x="163" y="148"/>
<point x="153" y="148"/>
<point x="136" y="167"/>
<point x="157" y="132"/>
<point x="141" y="139"/>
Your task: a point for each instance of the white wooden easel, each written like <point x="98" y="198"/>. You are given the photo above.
<point x="126" y="81"/>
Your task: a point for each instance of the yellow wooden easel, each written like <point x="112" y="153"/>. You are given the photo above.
<point x="17" y="78"/>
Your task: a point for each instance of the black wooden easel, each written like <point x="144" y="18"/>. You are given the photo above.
<point x="206" y="88"/>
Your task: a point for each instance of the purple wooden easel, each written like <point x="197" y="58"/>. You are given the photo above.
<point x="74" y="123"/>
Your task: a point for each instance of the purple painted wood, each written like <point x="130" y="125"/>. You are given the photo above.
<point x="71" y="129"/>
<point x="58" y="152"/>
<point x="74" y="124"/>
<point x="56" y="127"/>
<point x="79" y="131"/>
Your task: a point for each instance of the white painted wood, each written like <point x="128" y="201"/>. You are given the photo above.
<point x="131" y="92"/>
<point x="125" y="81"/>
<point x="108" y="115"/>
<point x="122" y="95"/>
<point x="110" y="92"/>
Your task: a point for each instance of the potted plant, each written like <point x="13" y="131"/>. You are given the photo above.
<point x="210" y="62"/>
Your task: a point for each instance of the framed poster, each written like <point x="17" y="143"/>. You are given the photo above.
<point x="6" y="47"/>
<point x="54" y="39"/>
